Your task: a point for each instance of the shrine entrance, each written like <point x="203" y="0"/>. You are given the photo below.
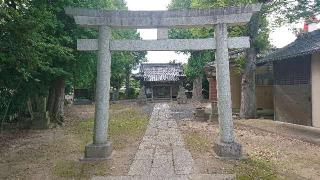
<point x="162" y="92"/>
<point x="105" y="20"/>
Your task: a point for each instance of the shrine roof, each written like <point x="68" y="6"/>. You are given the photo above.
<point x="305" y="44"/>
<point x="160" y="72"/>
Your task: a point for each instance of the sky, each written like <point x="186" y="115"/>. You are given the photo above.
<point x="279" y="37"/>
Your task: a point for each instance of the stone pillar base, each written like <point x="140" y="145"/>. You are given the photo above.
<point x="228" y="150"/>
<point x="97" y="152"/>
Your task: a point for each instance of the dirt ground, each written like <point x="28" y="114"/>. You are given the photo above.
<point x="55" y="153"/>
<point x="270" y="156"/>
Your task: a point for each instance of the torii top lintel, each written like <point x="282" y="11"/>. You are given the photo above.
<point x="163" y="19"/>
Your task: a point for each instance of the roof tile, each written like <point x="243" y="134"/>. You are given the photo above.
<point x="167" y="72"/>
<point x="307" y="43"/>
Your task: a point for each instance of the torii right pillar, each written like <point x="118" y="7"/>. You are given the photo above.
<point x="225" y="146"/>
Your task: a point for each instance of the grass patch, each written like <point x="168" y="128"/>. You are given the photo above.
<point x="198" y="142"/>
<point x="255" y="168"/>
<point x="125" y="128"/>
<point x="85" y="131"/>
<point x="80" y="170"/>
<point x="119" y="106"/>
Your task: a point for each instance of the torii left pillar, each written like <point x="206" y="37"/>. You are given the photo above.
<point x="226" y="145"/>
<point x="101" y="148"/>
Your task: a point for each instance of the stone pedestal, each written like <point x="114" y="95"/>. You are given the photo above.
<point x="41" y="120"/>
<point x="40" y="115"/>
<point x="182" y="97"/>
<point x="95" y="152"/>
<point x="231" y="150"/>
<point x="214" y="112"/>
<point x="200" y="114"/>
<point x="142" y="98"/>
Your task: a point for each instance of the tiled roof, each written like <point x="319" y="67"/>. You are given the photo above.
<point x="307" y="43"/>
<point x="168" y="72"/>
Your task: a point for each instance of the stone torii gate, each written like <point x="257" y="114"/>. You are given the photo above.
<point x="105" y="20"/>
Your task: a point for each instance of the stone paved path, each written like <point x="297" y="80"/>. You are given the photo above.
<point x="162" y="153"/>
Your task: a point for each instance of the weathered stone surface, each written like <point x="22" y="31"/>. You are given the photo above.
<point x="214" y="112"/>
<point x="223" y="85"/>
<point x="102" y="87"/>
<point x="142" y="98"/>
<point x="172" y="177"/>
<point x="163" y="146"/>
<point x="140" y="167"/>
<point x="160" y="19"/>
<point x="182" y="160"/>
<point x="145" y="154"/>
<point x="162" y="33"/>
<point x="249" y="8"/>
<point x="163" y="44"/>
<point x="97" y="151"/>
<point x="201" y="115"/>
<point x="40" y="115"/>
<point x="182" y="97"/>
<point x="228" y="150"/>
<point x="212" y="177"/>
<point x="87" y="45"/>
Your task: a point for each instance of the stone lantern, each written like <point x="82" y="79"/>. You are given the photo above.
<point x="142" y="97"/>
<point x="182" y="97"/>
<point x="210" y="70"/>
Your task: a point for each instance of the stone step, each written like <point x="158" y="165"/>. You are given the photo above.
<point x="174" y="177"/>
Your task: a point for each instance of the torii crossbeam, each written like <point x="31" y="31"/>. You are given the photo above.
<point x="219" y="18"/>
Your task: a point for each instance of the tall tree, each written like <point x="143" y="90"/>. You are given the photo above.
<point x="258" y="32"/>
<point x="38" y="53"/>
<point x="194" y="69"/>
<point x="260" y="39"/>
<point x="284" y="11"/>
<point x="289" y="11"/>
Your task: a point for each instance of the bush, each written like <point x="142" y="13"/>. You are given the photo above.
<point x="132" y="93"/>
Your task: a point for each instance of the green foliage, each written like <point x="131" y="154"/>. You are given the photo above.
<point x="38" y="45"/>
<point x="287" y="11"/>
<point x="197" y="60"/>
<point x="196" y="63"/>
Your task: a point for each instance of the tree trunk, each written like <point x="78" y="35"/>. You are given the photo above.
<point x="56" y="100"/>
<point x="248" y="86"/>
<point x="197" y="89"/>
<point x="127" y="85"/>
